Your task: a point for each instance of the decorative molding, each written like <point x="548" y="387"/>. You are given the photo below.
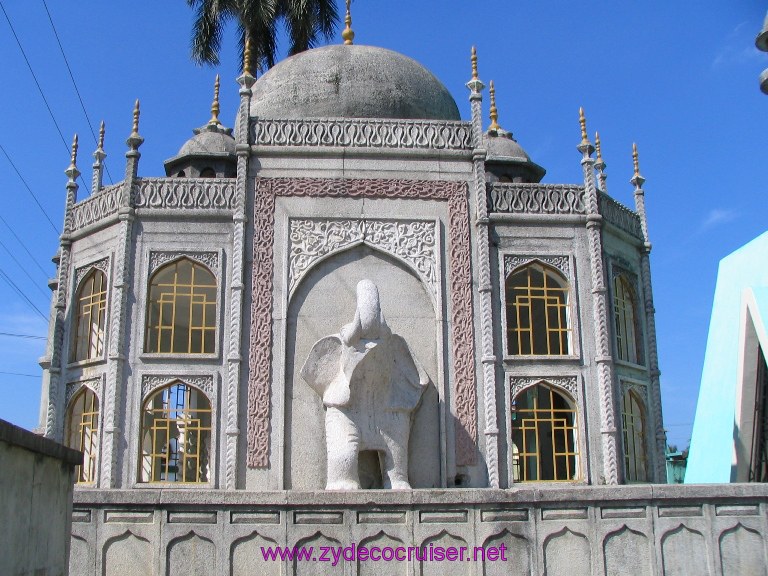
<point x="97" y="207"/>
<point x="640" y="387"/>
<point x="363" y="133"/>
<point x="515" y="261"/>
<point x="83" y="271"/>
<point x="460" y="288"/>
<point x="619" y="215"/>
<point x="520" y="198"/>
<point x="209" y="259"/>
<point x="186" y="193"/>
<point x="519" y="383"/>
<point x="150" y="382"/>
<point x="94" y="384"/>
<point x="411" y="240"/>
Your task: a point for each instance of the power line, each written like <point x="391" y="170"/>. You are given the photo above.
<point x="72" y="77"/>
<point x="19" y="374"/>
<point x="34" y="77"/>
<point x="28" y="336"/>
<point x="18" y="290"/>
<point x="23" y="245"/>
<point x="30" y="190"/>
<point x="23" y="269"/>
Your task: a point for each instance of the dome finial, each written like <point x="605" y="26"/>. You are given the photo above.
<point x="73" y="156"/>
<point x="348" y="34"/>
<point x="215" y="106"/>
<point x="494" y="113"/>
<point x="474" y="63"/>
<point x="635" y="159"/>
<point x="247" y="55"/>
<point x="102" y="130"/>
<point x="136" y="113"/>
<point x="583" y="124"/>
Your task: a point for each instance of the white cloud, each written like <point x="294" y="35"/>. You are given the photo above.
<point x="717" y="216"/>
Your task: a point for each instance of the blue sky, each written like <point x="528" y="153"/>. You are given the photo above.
<point x="680" y="81"/>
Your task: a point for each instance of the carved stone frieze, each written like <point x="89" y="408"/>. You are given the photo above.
<point x="411" y="240"/>
<point x="97" y="207"/>
<point x="619" y="215"/>
<point x="363" y="132"/>
<point x="462" y="330"/>
<point x="209" y="259"/>
<point x="150" y="382"/>
<point x="82" y="271"/>
<point x="640" y="387"/>
<point x="74" y="387"/>
<point x="514" y="261"/>
<point x="186" y="193"/>
<point x="524" y="198"/>
<point x="519" y="383"/>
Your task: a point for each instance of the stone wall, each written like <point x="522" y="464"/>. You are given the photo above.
<point x="584" y="530"/>
<point x="36" y="480"/>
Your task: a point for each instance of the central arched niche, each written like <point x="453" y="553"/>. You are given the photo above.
<point x="325" y="301"/>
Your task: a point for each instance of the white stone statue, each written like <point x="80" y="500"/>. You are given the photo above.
<point x="370" y="384"/>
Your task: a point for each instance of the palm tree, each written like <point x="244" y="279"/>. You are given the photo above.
<point x="305" y="22"/>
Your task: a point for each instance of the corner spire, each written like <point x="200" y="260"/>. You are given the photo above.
<point x="637" y="180"/>
<point x="473" y="58"/>
<point x="215" y="106"/>
<point x="135" y="140"/>
<point x="585" y="146"/>
<point x="98" y="164"/>
<point x="475" y="85"/>
<point x="247" y="55"/>
<point x="72" y="170"/>
<point x="494" y="112"/>
<point x="102" y="130"/>
<point x="600" y="164"/>
<point x="348" y="34"/>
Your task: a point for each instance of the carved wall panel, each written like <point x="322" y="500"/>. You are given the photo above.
<point x="151" y="382"/>
<point x="514" y="261"/>
<point x="74" y="387"/>
<point x="246" y="558"/>
<point x="128" y="555"/>
<point x="684" y="551"/>
<point x="97" y="207"/>
<point x="209" y="259"/>
<point x="619" y="215"/>
<point x="627" y="551"/>
<point x="518" y="554"/>
<point x="567" y="383"/>
<point x="460" y="289"/>
<point x="82" y="271"/>
<point x="411" y="240"/>
<point x="742" y="552"/>
<point x="566" y="549"/>
<point x="191" y="554"/>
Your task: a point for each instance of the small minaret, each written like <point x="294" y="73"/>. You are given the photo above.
<point x="612" y="471"/>
<point x="134" y="141"/>
<point x="650" y="317"/>
<point x="600" y="165"/>
<point x="98" y="162"/>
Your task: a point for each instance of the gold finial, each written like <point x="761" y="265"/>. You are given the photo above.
<point x="73" y="157"/>
<point x="215" y="106"/>
<point x="597" y="147"/>
<point x="474" y="63"/>
<point x="247" y="55"/>
<point x="136" y="113"/>
<point x="635" y="159"/>
<point x="348" y="34"/>
<point x="494" y="111"/>
<point x="101" y="136"/>
<point x="583" y="124"/>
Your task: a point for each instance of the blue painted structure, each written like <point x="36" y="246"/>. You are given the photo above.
<point x="741" y="304"/>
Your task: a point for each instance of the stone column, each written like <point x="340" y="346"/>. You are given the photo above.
<point x="54" y="360"/>
<point x="123" y="273"/>
<point x="659" y="440"/>
<point x="611" y="472"/>
<point x="236" y="285"/>
<point x="488" y="360"/>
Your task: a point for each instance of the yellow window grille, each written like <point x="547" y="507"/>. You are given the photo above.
<point x="181" y="315"/>
<point x="176" y="436"/>
<point x="83" y="433"/>
<point x="625" y="315"/>
<point x="537" y="312"/>
<point x="633" y="425"/>
<point x="544" y="437"/>
<point x="90" y="317"/>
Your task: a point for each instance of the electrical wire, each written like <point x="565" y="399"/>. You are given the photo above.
<point x="19" y="374"/>
<point x="18" y="290"/>
<point x="30" y="190"/>
<point x="3" y="220"/>
<point x="23" y="269"/>
<point x="72" y="77"/>
<point x="28" y="336"/>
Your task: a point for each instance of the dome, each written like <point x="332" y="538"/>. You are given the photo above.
<point x="507" y="161"/>
<point x="354" y="81"/>
<point x="209" y="142"/>
<point x="501" y="147"/>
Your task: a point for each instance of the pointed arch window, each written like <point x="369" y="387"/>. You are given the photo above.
<point x="82" y="432"/>
<point x="628" y="340"/>
<point x="634" y="426"/>
<point x="181" y="312"/>
<point x="544" y="436"/>
<point x="537" y="312"/>
<point x="176" y="435"/>
<point x="90" y="317"/>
